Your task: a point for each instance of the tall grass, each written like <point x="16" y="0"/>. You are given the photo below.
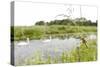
<point x="38" y="32"/>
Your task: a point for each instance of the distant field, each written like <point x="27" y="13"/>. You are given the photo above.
<point x="39" y="31"/>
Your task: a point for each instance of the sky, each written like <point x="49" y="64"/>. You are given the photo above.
<point x="28" y="13"/>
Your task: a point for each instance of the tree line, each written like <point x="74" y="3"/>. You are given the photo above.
<point x="73" y="22"/>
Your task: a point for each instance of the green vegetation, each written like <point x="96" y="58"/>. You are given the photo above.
<point x="73" y="22"/>
<point x="40" y="32"/>
<point x="43" y="29"/>
<point x="84" y="54"/>
<point x="22" y="32"/>
<point x="79" y="54"/>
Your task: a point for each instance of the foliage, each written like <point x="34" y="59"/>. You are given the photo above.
<point x="40" y="23"/>
<point x="72" y="22"/>
<point x="38" y="32"/>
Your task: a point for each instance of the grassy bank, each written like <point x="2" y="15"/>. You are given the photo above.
<point x="38" y="32"/>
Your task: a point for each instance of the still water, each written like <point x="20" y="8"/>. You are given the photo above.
<point x="54" y="47"/>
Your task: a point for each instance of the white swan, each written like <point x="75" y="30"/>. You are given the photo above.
<point x="24" y="42"/>
<point x="48" y="40"/>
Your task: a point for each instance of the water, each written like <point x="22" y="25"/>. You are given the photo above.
<point x="54" y="47"/>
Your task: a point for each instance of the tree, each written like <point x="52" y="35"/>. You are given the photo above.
<point x="77" y="21"/>
<point x="40" y="23"/>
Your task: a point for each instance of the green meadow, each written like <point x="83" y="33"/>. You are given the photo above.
<point x="38" y="32"/>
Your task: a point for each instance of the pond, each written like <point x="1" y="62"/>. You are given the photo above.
<point x="53" y="47"/>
